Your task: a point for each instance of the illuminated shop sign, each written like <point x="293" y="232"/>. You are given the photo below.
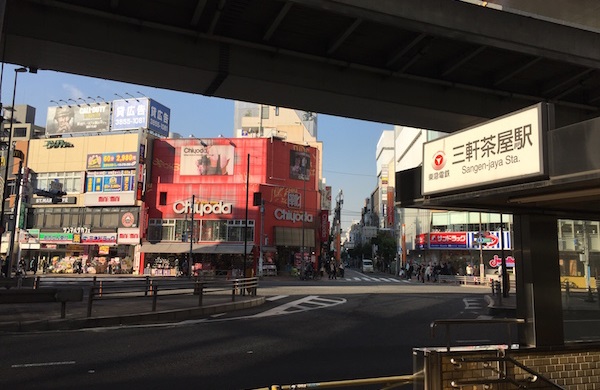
<point x="202" y="208"/>
<point x="294" y="216"/>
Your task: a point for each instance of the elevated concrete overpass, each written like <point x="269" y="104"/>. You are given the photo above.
<point x="435" y="64"/>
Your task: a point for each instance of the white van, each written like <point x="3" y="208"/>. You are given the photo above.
<point x="367" y="266"/>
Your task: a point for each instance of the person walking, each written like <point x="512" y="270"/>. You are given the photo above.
<point x="332" y="270"/>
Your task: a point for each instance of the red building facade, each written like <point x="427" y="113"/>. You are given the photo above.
<point x="202" y="193"/>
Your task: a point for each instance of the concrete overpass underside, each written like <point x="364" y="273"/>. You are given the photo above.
<point x="439" y="65"/>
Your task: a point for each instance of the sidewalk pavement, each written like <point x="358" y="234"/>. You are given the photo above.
<point x="578" y="301"/>
<point x="28" y="317"/>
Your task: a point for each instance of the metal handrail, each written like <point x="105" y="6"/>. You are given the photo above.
<point x="456" y="321"/>
<point x="391" y="382"/>
<point x="504" y="378"/>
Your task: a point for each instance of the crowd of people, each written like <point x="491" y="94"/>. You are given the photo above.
<point x="427" y="272"/>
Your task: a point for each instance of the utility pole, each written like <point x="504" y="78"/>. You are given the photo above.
<point x="336" y="228"/>
<point x="190" y="261"/>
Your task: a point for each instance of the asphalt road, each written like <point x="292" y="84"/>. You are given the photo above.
<point x="308" y="331"/>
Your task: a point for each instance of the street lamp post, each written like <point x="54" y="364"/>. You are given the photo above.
<point x="246" y="225"/>
<point x="11" y="243"/>
<point x="8" y="146"/>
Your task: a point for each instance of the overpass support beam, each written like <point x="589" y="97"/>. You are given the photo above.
<point x="538" y="296"/>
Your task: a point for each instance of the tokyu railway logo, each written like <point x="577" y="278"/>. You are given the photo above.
<point x="294" y="216"/>
<point x="202" y="208"/>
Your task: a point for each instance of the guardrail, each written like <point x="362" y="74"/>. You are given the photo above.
<point x="153" y="288"/>
<point x="42" y="295"/>
<point x="149" y="288"/>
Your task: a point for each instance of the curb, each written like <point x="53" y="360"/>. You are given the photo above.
<point x="159" y="317"/>
<point x="509" y="311"/>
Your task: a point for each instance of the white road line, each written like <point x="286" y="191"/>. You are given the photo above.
<point x="297" y="306"/>
<point x="41" y="364"/>
<point x="276" y="297"/>
<point x="471" y="303"/>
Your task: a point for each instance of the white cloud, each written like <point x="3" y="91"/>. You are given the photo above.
<point x="73" y="91"/>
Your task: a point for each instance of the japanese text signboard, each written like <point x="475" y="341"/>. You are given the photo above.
<point x="505" y="149"/>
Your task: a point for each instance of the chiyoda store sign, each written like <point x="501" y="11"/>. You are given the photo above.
<point x="294" y="216"/>
<point x="202" y="208"/>
<point x="505" y="149"/>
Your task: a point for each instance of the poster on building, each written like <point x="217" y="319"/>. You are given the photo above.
<point x="93" y="118"/>
<point x="131" y="114"/>
<point x="299" y="165"/>
<point x="110" y="181"/>
<point x="208" y="160"/>
<point x="118" y="160"/>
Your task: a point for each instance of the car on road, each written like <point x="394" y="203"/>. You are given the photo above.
<point x="367" y="265"/>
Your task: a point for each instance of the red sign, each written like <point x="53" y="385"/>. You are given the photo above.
<point x="324" y="219"/>
<point x="496" y="261"/>
<point x="448" y="240"/>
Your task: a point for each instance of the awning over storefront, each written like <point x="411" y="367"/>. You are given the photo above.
<point x="182" y="247"/>
<point x="234" y="249"/>
<point x="285" y="236"/>
<point x="165" y="247"/>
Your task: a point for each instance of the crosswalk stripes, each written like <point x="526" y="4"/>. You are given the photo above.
<point x="372" y="279"/>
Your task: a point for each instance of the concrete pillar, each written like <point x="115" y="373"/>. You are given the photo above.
<point x="538" y="296"/>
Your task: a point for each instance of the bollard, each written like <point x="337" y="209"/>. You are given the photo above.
<point x="590" y="296"/>
<point x="90" y="300"/>
<point x="147" y="285"/>
<point x="199" y="288"/>
<point x="154" y="298"/>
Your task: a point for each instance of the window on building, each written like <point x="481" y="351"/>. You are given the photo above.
<point x="162" y="199"/>
<point x="213" y="231"/>
<point x="37" y="218"/>
<point x="71" y="181"/>
<point x="235" y="230"/>
<point x="53" y="218"/>
<point x="20" y="132"/>
<point x="72" y="217"/>
<point x="183" y="230"/>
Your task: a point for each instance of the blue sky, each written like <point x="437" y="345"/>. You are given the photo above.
<point x="348" y="144"/>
